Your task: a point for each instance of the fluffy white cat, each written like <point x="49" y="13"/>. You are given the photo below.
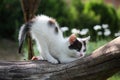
<point x="52" y="46"/>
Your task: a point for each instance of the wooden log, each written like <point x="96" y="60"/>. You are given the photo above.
<point x="100" y="65"/>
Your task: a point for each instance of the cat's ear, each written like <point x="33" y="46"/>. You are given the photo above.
<point x="51" y="21"/>
<point x="86" y="39"/>
<point x="72" y="38"/>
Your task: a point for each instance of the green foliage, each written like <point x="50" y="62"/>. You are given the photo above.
<point x="10" y="18"/>
<point x="74" y="14"/>
<point x="93" y="13"/>
<point x="107" y="14"/>
<point x="115" y="77"/>
<point x="55" y="8"/>
<point x="118" y="15"/>
<point x="11" y="15"/>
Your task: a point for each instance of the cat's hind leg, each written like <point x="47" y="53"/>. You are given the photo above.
<point x="45" y="53"/>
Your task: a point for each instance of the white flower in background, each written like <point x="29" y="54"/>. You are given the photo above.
<point x="107" y="32"/>
<point x="75" y="31"/>
<point x="84" y="31"/>
<point x="97" y="27"/>
<point x="117" y="34"/>
<point x="105" y="26"/>
<point x="64" y="29"/>
<point x="99" y="33"/>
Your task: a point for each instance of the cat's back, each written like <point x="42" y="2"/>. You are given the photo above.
<point x="40" y="23"/>
<point x="46" y="27"/>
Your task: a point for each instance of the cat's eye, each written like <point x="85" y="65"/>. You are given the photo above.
<point x="56" y="30"/>
<point x="84" y="50"/>
<point x="84" y="43"/>
<point x="78" y="49"/>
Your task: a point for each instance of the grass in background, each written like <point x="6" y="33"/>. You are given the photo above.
<point x="94" y="45"/>
<point x="115" y="77"/>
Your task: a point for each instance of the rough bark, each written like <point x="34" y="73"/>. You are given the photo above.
<point x="100" y="65"/>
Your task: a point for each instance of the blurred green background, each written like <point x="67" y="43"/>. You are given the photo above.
<point x="72" y="13"/>
<point x="79" y="14"/>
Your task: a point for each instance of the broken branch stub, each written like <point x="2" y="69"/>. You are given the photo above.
<point x="29" y="8"/>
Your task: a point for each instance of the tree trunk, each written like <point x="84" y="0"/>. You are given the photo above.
<point x="100" y="65"/>
<point x="29" y="8"/>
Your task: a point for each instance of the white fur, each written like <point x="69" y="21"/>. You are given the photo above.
<point x="20" y="32"/>
<point x="52" y="47"/>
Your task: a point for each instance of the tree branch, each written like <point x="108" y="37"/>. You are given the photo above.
<point x="101" y="64"/>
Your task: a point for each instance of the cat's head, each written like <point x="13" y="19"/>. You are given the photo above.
<point x="78" y="45"/>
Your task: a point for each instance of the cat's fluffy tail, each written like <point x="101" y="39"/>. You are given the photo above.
<point x="22" y="34"/>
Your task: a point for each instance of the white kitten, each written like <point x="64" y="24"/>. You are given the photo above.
<point x="52" y="46"/>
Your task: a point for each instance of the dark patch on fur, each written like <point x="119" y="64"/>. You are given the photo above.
<point x="25" y="30"/>
<point x="56" y="29"/>
<point x="51" y="22"/>
<point x="84" y="43"/>
<point x="84" y="50"/>
<point x="76" y="45"/>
